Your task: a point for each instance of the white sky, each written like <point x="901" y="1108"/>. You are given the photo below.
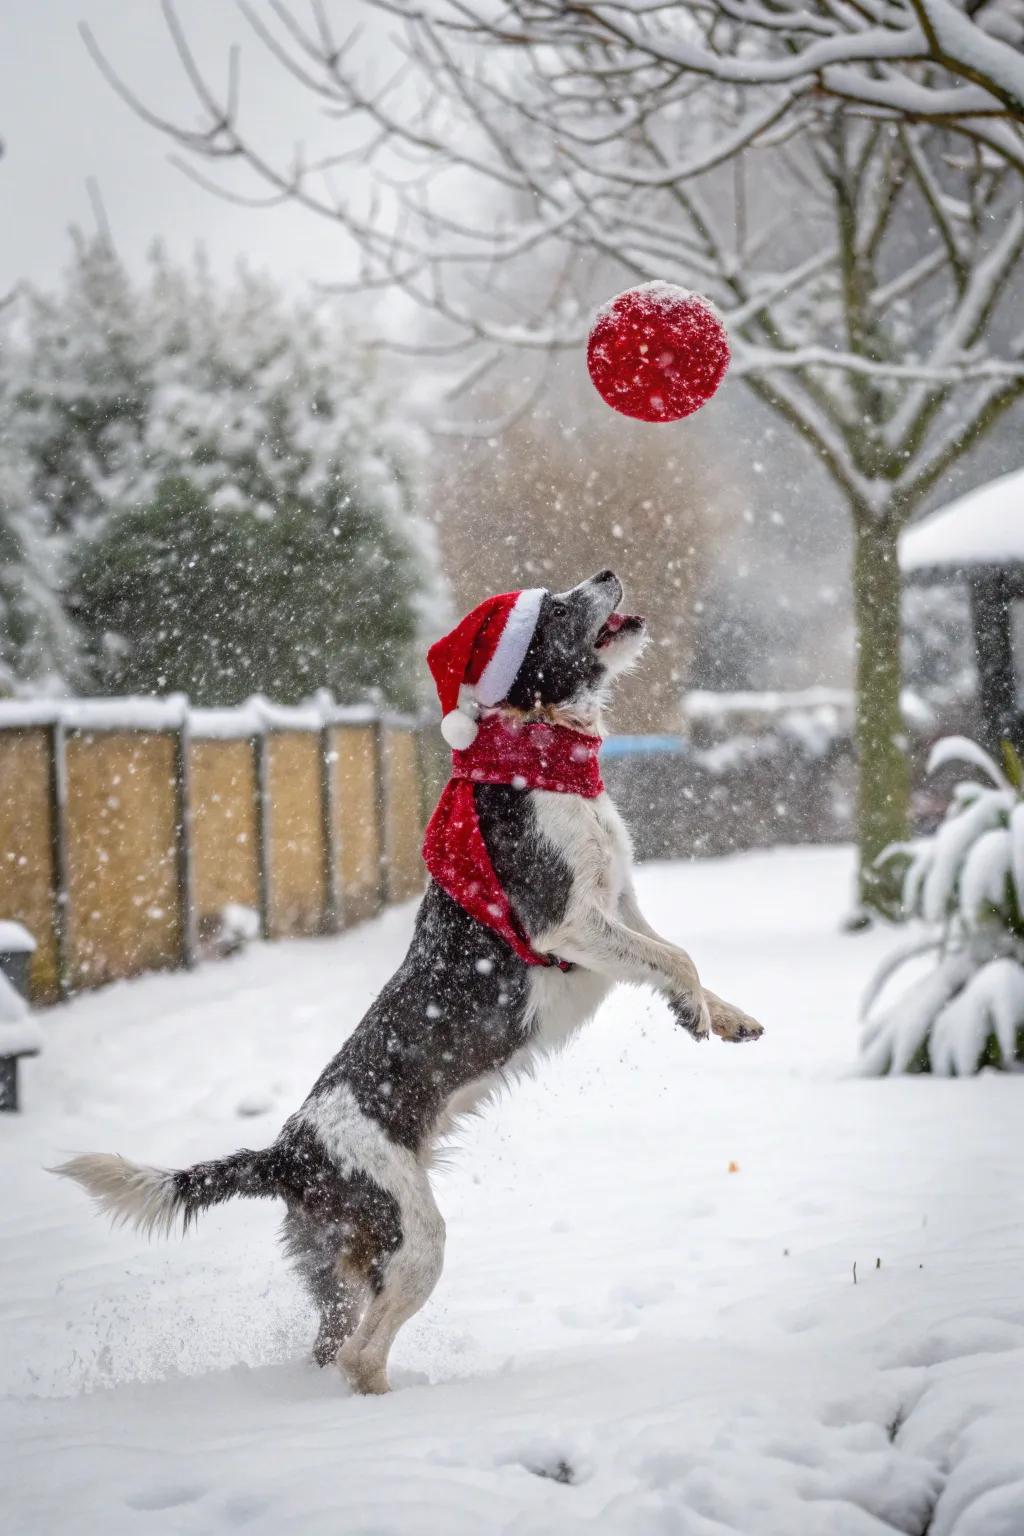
<point x="61" y="123"/>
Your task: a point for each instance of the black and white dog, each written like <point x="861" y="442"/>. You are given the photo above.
<point x="462" y="1012"/>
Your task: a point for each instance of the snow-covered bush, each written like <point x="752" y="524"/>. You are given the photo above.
<point x="965" y="881"/>
<point x="937" y="647"/>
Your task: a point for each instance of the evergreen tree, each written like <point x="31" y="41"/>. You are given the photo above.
<point x="83" y="390"/>
<point x="225" y="603"/>
<point x="221" y="487"/>
<point x="36" y="640"/>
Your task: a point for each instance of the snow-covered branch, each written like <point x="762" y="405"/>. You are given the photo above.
<point x="924" y="60"/>
<point x="859" y="265"/>
<point x="760" y="360"/>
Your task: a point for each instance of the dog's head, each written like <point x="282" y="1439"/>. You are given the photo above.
<point x="581" y="642"/>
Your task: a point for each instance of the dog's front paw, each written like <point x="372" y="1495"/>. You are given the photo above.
<point x="731" y="1023"/>
<point x="691" y="1013"/>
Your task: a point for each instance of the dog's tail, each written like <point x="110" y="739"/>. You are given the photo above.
<point x="155" y="1199"/>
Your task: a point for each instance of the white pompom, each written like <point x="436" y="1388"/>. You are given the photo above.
<point x="458" y="730"/>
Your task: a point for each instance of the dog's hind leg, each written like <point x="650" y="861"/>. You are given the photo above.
<point x="339" y="1301"/>
<point x="337" y="1293"/>
<point x="402" y="1283"/>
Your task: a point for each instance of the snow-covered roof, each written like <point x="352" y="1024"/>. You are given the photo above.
<point x="985" y="527"/>
<point x="15" y="939"/>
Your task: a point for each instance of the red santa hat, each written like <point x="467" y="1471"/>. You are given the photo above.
<point x="476" y="663"/>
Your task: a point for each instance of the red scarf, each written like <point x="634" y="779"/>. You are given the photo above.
<point x="527" y="756"/>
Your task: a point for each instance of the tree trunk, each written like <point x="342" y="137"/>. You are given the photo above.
<point x="883" y="791"/>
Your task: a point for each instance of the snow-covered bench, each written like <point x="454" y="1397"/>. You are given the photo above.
<point x="19" y="1034"/>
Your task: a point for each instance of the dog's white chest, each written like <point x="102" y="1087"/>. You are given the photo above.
<point x="591" y="838"/>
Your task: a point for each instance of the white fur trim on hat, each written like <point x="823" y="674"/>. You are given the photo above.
<point x="500" y="672"/>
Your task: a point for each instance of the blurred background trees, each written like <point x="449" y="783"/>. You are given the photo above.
<point x="205" y="488"/>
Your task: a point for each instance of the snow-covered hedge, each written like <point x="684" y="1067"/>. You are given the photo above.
<point x="966" y="883"/>
<point x="753" y="770"/>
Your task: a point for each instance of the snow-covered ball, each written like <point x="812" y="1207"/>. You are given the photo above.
<point x="657" y="352"/>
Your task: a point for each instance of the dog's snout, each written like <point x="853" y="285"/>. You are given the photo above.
<point x="606" y="588"/>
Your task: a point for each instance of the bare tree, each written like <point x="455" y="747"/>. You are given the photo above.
<point x="862" y="262"/>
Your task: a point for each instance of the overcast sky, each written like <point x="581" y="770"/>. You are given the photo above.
<point x="61" y="123"/>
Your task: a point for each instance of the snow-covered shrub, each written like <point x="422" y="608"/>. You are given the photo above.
<point x="753" y="770"/>
<point x="965" y="881"/>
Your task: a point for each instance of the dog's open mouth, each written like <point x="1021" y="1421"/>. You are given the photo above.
<point x="617" y="624"/>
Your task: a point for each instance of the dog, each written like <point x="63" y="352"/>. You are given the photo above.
<point x="463" y="1013"/>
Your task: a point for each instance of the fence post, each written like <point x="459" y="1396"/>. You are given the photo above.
<point x="14" y="965"/>
<point x="424" y="779"/>
<point x="183" y="841"/>
<point x="333" y="913"/>
<point x="58" y="796"/>
<point x="380" y="801"/>
<point x="261" y="749"/>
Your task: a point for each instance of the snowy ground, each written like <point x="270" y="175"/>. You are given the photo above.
<point x="648" y="1323"/>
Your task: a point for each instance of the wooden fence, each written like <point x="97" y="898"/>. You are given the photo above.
<point x="128" y="826"/>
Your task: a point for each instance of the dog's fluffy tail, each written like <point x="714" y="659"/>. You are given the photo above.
<point x="156" y="1199"/>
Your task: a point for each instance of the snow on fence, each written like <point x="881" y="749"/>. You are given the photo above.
<point x="129" y="827"/>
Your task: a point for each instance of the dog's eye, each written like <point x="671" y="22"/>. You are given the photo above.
<point x="559" y="610"/>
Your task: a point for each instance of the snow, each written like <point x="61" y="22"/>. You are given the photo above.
<point x="797" y="709"/>
<point x="961" y="749"/>
<point x="125" y="714"/>
<point x="24" y="1038"/>
<point x="656" y="293"/>
<point x="1017" y="850"/>
<point x="992" y="1002"/>
<point x="15" y="939"/>
<point x="943" y="855"/>
<point x="240" y="922"/>
<point x="984" y="875"/>
<point x="226" y="724"/>
<point x="985" y="527"/>
<point x="894" y="1038"/>
<point x="706" y="705"/>
<point x="960" y="37"/>
<point x="629" y="1338"/>
<point x="173" y="713"/>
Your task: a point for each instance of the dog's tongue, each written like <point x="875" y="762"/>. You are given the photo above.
<point x="614" y="622"/>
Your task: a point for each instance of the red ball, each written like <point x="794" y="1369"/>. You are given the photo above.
<point x="657" y="352"/>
